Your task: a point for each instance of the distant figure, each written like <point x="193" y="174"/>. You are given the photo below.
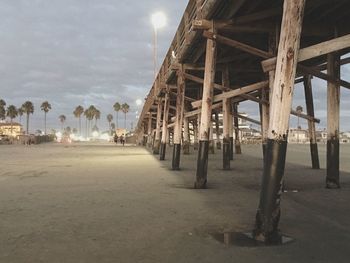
<point x="116" y="138"/>
<point x="122" y="140"/>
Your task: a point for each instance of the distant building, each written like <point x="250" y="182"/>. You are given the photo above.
<point x="5" y="129"/>
<point x="298" y="136"/>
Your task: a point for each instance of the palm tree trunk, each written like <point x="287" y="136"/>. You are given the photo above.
<point x="298" y="131"/>
<point x="11" y="126"/>
<point x="117" y="120"/>
<point x="125" y="121"/>
<point x="80" y="126"/>
<point x="27" y="123"/>
<point x="45" y="123"/>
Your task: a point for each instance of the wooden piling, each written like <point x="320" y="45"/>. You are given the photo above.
<point x="195" y="134"/>
<point x="149" y="131"/>
<point x="207" y="97"/>
<point x="211" y="138"/>
<point x="164" y="127"/>
<point x="186" y="137"/>
<point x="333" y="106"/>
<point x="268" y="214"/>
<point x="217" y="131"/>
<point x="180" y="99"/>
<point x="311" y="124"/>
<point x="156" y="144"/>
<point x="226" y="112"/>
<point x="231" y="132"/>
<point x="238" y="149"/>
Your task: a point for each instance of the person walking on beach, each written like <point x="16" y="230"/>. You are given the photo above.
<point x="122" y="139"/>
<point x="116" y="138"/>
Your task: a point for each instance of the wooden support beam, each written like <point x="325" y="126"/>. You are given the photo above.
<point x="201" y="81"/>
<point x="186" y="98"/>
<point x="305" y="116"/>
<point x="234" y="93"/>
<point x="313" y="51"/>
<point x="311" y="124"/>
<point x="149" y="132"/>
<point x="268" y="214"/>
<point x="206" y="102"/>
<point x="238" y="149"/>
<point x="197" y="111"/>
<point x="324" y="76"/>
<point x="165" y="126"/>
<point x="323" y="67"/>
<point x="180" y="100"/>
<point x="236" y="44"/>
<point x="217" y="131"/>
<point x="246" y="118"/>
<point x="186" y="137"/>
<point x="171" y="125"/>
<point x="156" y="143"/>
<point x="333" y="114"/>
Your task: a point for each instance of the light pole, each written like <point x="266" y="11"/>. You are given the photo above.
<point x="158" y="20"/>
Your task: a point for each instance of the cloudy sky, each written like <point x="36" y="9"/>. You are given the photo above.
<point x="85" y="52"/>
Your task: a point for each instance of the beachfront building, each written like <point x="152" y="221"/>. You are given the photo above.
<point x="298" y="136"/>
<point x="13" y="130"/>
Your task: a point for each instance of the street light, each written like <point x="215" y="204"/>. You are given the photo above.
<point x="138" y="102"/>
<point x="158" y="20"/>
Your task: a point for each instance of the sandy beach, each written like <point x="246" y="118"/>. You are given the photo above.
<point x="105" y="203"/>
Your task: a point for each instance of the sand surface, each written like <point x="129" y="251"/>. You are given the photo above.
<point x="102" y="203"/>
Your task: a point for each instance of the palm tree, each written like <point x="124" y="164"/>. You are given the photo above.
<point x="28" y="108"/>
<point x="125" y="110"/>
<point x="2" y="109"/>
<point x="45" y="107"/>
<point x="97" y="115"/>
<point x="62" y="119"/>
<point x="117" y="108"/>
<point x="90" y="114"/>
<point x="11" y="113"/>
<point x="77" y="113"/>
<point x="109" y="119"/>
<point x="86" y="114"/>
<point x="299" y="110"/>
<point x="20" y="114"/>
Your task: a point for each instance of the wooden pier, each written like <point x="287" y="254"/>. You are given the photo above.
<point x="228" y="52"/>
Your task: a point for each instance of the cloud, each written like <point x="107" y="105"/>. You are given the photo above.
<point x="73" y="52"/>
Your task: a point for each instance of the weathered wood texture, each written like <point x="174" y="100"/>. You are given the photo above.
<point x="179" y="107"/>
<point x="333" y="113"/>
<point x="208" y="85"/>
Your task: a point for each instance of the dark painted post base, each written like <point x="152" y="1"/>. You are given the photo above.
<point x="226" y="154"/>
<point x="186" y="148"/>
<point x="156" y="147"/>
<point x="314" y="156"/>
<point x="211" y="147"/>
<point x="332" y="179"/>
<point x="218" y="145"/>
<point x="264" y="146"/>
<point x="162" y="151"/>
<point x="231" y="148"/>
<point x="202" y="165"/>
<point x="195" y="146"/>
<point x="268" y="214"/>
<point x="175" y="165"/>
<point x="238" y="149"/>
